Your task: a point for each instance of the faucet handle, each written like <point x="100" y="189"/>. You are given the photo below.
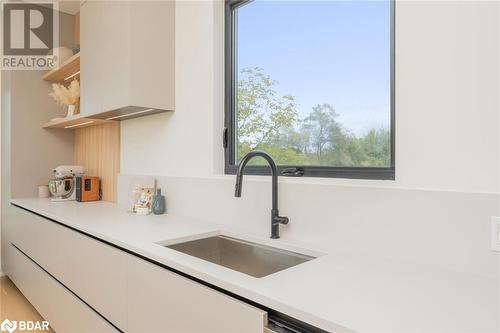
<point x="292" y="172"/>
<point x="281" y="220"/>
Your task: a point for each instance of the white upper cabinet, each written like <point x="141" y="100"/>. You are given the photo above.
<point x="127" y="56"/>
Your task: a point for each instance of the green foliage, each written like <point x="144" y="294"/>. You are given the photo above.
<point x="322" y="130"/>
<point x="270" y="122"/>
<point x="262" y="114"/>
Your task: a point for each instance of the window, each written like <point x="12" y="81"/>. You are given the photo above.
<point x="311" y="83"/>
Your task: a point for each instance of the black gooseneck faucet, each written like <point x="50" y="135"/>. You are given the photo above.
<point x="276" y="220"/>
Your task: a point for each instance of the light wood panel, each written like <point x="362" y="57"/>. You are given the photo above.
<point x="65" y="71"/>
<point x="98" y="149"/>
<point x="73" y="122"/>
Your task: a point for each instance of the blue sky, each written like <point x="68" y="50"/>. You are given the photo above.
<point x="333" y="52"/>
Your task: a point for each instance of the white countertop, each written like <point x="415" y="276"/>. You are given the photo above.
<point x="336" y="292"/>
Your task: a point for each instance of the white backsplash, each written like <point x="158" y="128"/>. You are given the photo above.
<point x="441" y="228"/>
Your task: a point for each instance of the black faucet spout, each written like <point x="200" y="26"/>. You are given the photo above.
<point x="237" y="188"/>
<point x="276" y="220"/>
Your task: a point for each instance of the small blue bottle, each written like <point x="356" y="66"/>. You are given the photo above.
<point x="159" y="204"/>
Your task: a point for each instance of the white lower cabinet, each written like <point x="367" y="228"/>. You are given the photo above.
<point x="131" y="293"/>
<point x="162" y="301"/>
<point x="63" y="311"/>
<point x="91" y="269"/>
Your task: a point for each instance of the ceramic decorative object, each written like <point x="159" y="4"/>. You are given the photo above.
<point x="71" y="110"/>
<point x="75" y="48"/>
<point x="159" y="204"/>
<point x="68" y="97"/>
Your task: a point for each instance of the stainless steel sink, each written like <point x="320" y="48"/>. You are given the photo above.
<point x="246" y="257"/>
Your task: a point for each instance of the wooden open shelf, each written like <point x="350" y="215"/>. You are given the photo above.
<point x="65" y="71"/>
<point x="73" y="122"/>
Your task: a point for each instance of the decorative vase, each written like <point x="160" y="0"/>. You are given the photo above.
<point x="71" y="110"/>
<point x="159" y="203"/>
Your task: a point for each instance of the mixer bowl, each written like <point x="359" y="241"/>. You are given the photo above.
<point x="61" y="188"/>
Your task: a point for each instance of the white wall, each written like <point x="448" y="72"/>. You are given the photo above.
<point x="199" y="102"/>
<point x="447" y="117"/>
<point x="438" y="228"/>
<point x="447" y="95"/>
<point x="447" y="144"/>
<point x="173" y="140"/>
<point x="29" y="152"/>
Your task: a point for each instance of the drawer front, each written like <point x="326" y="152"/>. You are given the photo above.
<point x="162" y="301"/>
<point x="64" y="311"/>
<point x="93" y="270"/>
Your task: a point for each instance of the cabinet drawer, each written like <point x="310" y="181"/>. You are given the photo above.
<point x="93" y="270"/>
<point x="162" y="301"/>
<point x="56" y="304"/>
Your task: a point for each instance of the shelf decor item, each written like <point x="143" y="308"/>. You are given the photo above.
<point x="144" y="200"/>
<point x="69" y="97"/>
<point x="159" y="204"/>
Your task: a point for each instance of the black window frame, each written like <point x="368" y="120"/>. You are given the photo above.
<point x="229" y="135"/>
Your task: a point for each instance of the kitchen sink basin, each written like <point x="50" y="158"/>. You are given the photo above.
<point x="246" y="257"/>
